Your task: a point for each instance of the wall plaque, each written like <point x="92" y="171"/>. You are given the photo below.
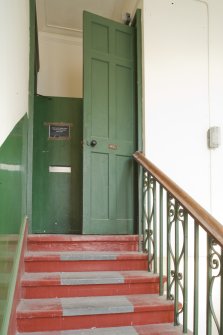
<point x="59" y="131"/>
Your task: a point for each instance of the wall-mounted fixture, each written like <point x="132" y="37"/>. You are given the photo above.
<point x="126" y="18"/>
<point x="214" y="137"/>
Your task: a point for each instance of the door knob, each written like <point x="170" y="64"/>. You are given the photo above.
<point x="93" y="143"/>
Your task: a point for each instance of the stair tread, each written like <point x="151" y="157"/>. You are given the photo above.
<point x="85" y="278"/>
<point x="92" y="305"/>
<point x="84" y="255"/>
<point x="157" y="329"/>
<point x="67" y="261"/>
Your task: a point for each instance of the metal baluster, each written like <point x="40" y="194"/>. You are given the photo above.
<point x="144" y="210"/>
<point x="176" y="268"/>
<point x="154" y="228"/>
<point x="215" y="265"/>
<point x="149" y="219"/>
<point x="168" y="246"/>
<point x="185" y="292"/>
<point x="161" y="288"/>
<point x="140" y="206"/>
<point x="196" y="277"/>
<point x="215" y="268"/>
<point x="221" y="295"/>
<point x="209" y="276"/>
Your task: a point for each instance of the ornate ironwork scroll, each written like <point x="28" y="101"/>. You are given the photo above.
<point x="149" y="221"/>
<point x="177" y="256"/>
<point x="178" y="208"/>
<point x="215" y="271"/>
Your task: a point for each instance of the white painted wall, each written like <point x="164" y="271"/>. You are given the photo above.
<point x="14" y="63"/>
<point x="176" y="96"/>
<point x="183" y="71"/>
<point x="183" y="85"/>
<point x="61" y="66"/>
<point x="216" y="102"/>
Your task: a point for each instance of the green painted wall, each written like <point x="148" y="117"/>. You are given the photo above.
<point x="57" y="197"/>
<point x="13" y="171"/>
<point x="16" y="183"/>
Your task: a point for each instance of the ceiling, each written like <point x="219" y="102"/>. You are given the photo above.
<point x="65" y="16"/>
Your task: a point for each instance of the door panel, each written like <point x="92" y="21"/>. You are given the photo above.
<point x="59" y="206"/>
<point x="124" y="44"/>
<point x="110" y="120"/>
<point x="99" y="36"/>
<point x="100" y="99"/>
<point x="57" y="168"/>
<point x="125" y="118"/>
<point x="99" y="186"/>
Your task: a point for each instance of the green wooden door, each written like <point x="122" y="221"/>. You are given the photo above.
<point x="109" y="126"/>
<point x="57" y="165"/>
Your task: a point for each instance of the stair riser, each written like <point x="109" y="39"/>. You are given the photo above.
<point x="59" y="291"/>
<point x="90" y="321"/>
<point x="83" y="243"/>
<point x="78" y="266"/>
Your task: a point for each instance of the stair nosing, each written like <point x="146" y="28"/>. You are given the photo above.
<point x="82" y="256"/>
<point x="67" y="306"/>
<point x="87" y="278"/>
<point x="126" y="330"/>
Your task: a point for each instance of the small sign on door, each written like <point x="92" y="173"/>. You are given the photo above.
<point x="59" y="131"/>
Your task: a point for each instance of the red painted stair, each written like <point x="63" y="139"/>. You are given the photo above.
<point x="101" y="288"/>
<point x="83" y="284"/>
<point x="85" y="243"/>
<point x="84" y="261"/>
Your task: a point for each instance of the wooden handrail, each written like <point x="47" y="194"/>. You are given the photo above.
<point x="200" y="215"/>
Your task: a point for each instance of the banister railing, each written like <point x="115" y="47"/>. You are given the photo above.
<point x="185" y="246"/>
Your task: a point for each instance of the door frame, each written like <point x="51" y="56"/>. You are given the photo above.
<point x="137" y="22"/>
<point x="32" y="91"/>
<point x="33" y="69"/>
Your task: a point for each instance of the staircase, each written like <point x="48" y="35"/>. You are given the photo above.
<point x="90" y="285"/>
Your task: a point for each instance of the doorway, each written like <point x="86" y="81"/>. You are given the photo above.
<point x="65" y="216"/>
